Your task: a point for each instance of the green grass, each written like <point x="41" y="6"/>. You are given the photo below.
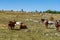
<point x="36" y="31"/>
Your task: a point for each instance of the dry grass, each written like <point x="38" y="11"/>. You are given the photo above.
<point x="36" y="31"/>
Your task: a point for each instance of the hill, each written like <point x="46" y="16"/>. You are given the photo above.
<point x="36" y="30"/>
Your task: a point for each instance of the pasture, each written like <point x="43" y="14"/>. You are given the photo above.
<point x="36" y="30"/>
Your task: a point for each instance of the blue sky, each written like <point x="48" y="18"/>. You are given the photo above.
<point x="30" y="5"/>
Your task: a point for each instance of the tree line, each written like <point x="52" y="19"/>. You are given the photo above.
<point x="50" y="11"/>
<point x="36" y="11"/>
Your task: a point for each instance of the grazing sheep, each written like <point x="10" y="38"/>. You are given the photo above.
<point x="57" y="25"/>
<point x="11" y="24"/>
<point x="42" y="20"/>
<point x="46" y="22"/>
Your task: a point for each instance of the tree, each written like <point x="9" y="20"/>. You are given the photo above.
<point x="22" y="10"/>
<point x="36" y="11"/>
<point x="48" y="11"/>
<point x="40" y="12"/>
<point x="11" y="10"/>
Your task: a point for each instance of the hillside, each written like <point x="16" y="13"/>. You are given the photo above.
<point x="36" y="30"/>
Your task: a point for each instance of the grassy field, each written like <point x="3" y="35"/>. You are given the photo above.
<point x="35" y="31"/>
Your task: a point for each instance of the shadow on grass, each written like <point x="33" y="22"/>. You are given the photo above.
<point x="18" y="29"/>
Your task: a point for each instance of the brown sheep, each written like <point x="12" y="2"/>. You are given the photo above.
<point x="57" y="25"/>
<point x="11" y="24"/>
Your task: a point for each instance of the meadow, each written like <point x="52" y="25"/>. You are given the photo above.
<point x="35" y="31"/>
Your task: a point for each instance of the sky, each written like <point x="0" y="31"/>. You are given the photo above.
<point x="30" y="5"/>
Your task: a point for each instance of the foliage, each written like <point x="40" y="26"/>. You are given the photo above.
<point x="50" y="11"/>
